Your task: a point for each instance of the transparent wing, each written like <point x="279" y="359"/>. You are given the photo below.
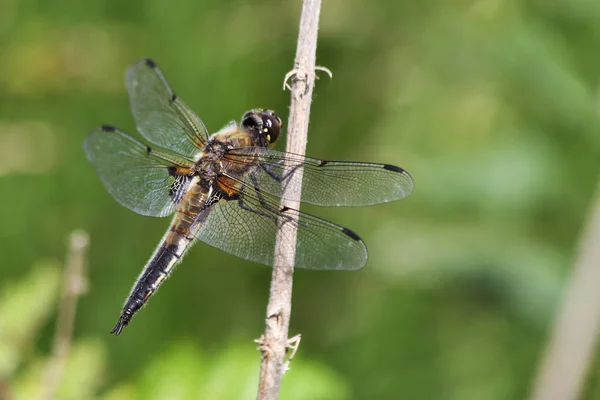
<point x="160" y="116"/>
<point x="138" y="177"/>
<point x="324" y="183"/>
<point x="246" y="227"/>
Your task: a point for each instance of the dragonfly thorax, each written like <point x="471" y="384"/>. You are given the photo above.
<point x="209" y="162"/>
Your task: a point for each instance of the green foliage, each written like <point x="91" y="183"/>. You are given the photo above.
<point x="24" y="307"/>
<point x="185" y="373"/>
<point x="82" y="375"/>
<point x="490" y="105"/>
<point x="180" y="372"/>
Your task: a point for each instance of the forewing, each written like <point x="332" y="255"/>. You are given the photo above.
<point x="160" y="116"/>
<point x="324" y="183"/>
<point x="137" y="176"/>
<point x="247" y="229"/>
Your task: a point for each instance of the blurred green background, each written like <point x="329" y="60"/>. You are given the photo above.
<point x="490" y="105"/>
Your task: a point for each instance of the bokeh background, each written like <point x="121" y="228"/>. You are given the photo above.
<point x="491" y="105"/>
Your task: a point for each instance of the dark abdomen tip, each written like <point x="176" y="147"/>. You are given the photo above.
<point x="121" y="324"/>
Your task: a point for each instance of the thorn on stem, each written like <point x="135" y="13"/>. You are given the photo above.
<point x="292" y="346"/>
<point x="264" y="347"/>
<point x="296" y="72"/>
<point x="324" y="69"/>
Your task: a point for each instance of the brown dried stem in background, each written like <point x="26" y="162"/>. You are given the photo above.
<point x="573" y="340"/>
<point x="74" y="285"/>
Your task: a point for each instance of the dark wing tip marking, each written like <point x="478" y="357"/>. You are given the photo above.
<point x="108" y="128"/>
<point x="351" y="234"/>
<point x="323" y="163"/>
<point x="148" y="150"/>
<point x="393" y="168"/>
<point x="173" y="98"/>
<point x="121" y="324"/>
<point x="150" y="63"/>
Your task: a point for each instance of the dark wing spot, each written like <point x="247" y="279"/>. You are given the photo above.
<point x="148" y="150"/>
<point x="108" y="128"/>
<point x="173" y="98"/>
<point x="150" y="63"/>
<point x="393" y="168"/>
<point x="323" y="163"/>
<point x="351" y="234"/>
<point x="172" y="170"/>
<point x="284" y="209"/>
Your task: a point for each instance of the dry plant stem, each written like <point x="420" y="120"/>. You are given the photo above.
<point x="5" y="393"/>
<point x="573" y="340"/>
<point x="274" y="343"/>
<point x="74" y="285"/>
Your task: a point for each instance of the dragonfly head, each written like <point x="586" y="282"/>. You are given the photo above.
<point x="263" y="123"/>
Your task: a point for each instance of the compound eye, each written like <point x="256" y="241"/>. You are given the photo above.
<point x="271" y="127"/>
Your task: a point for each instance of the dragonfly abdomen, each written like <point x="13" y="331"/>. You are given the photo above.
<point x="165" y="258"/>
<point x="169" y="252"/>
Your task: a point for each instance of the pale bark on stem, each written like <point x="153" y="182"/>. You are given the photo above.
<point x="573" y="340"/>
<point x="74" y="285"/>
<point x="274" y="343"/>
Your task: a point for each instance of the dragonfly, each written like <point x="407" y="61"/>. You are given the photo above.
<point x="226" y="189"/>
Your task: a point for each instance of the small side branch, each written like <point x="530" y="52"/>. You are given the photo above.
<point x="574" y="337"/>
<point x="74" y="285"/>
<point x="274" y="344"/>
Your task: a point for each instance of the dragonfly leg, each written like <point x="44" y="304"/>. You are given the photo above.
<point x="275" y="175"/>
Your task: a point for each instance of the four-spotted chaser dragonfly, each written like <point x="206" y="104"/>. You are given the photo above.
<point x="225" y="188"/>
